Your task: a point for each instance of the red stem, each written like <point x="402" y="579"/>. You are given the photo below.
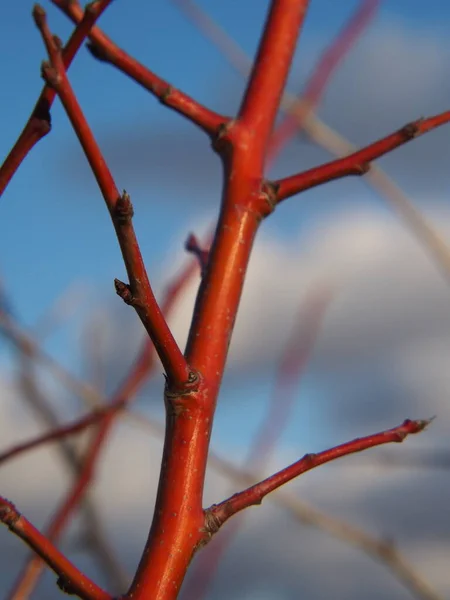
<point x="138" y="374"/>
<point x="28" y="578"/>
<point x="178" y="527"/>
<point x="293" y="361"/>
<point x="139" y="294"/>
<point x="105" y="50"/>
<point x="271" y="67"/>
<point x="356" y="163"/>
<point x="70" y="578"/>
<point x="327" y="64"/>
<point x="39" y="123"/>
<point x="255" y="494"/>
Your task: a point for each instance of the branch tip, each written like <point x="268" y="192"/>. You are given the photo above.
<point x="192" y="245"/>
<point x="39" y="15"/>
<point x="9" y="515"/>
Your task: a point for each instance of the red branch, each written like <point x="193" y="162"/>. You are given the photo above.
<point x="179" y="520"/>
<point x="292" y="364"/>
<point x="316" y="85"/>
<point x="255" y="494"/>
<point x="28" y="577"/>
<point x="271" y="67"/>
<point x="39" y="123"/>
<point x="356" y="163"/>
<point x="139" y="293"/>
<point x="139" y="372"/>
<point x="104" y="49"/>
<point x="71" y="580"/>
<point x="144" y="364"/>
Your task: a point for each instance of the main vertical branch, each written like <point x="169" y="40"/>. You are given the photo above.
<point x="179" y="525"/>
<point x="271" y="68"/>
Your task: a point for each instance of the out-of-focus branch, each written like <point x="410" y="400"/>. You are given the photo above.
<point x="329" y="61"/>
<point x="271" y="66"/>
<point x="32" y="570"/>
<point x="39" y="123"/>
<point x="105" y="418"/>
<point x="140" y="370"/>
<point x="95" y="538"/>
<point x="329" y="139"/>
<point x="70" y="579"/>
<point x="419" y="459"/>
<point x="383" y="551"/>
<point x="416" y="223"/>
<point x="291" y="366"/>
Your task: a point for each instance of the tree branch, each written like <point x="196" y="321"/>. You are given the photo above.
<point x="138" y="373"/>
<point x="104" y="49"/>
<point x="139" y="293"/>
<point x="316" y="85"/>
<point x="271" y="67"/>
<point x="327" y="138"/>
<point x="356" y="163"/>
<point x="71" y="580"/>
<point x="39" y="123"/>
<point x="254" y="495"/>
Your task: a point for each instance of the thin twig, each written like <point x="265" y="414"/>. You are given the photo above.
<point x="288" y="374"/>
<point x="105" y="50"/>
<point x="98" y="544"/>
<point x="379" y="549"/>
<point x="357" y="163"/>
<point x="220" y="513"/>
<point x="70" y="579"/>
<point x="324" y="69"/>
<point x="39" y="123"/>
<point x="139" y="293"/>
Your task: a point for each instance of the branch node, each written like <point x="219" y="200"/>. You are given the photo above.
<point x="9" y="515"/>
<point x="310" y="457"/>
<point x="123" y="210"/>
<point x="165" y="94"/>
<point x="411" y="130"/>
<point x="123" y="290"/>
<point x="188" y="387"/>
<point x="212" y="522"/>
<point x="50" y="75"/>
<point x="98" y="52"/>
<point x="364" y="168"/>
<point x="66" y="586"/>
<point x="58" y="43"/>
<point x="221" y="140"/>
<point x="269" y="191"/>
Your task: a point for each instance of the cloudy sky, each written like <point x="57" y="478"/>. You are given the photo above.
<point x="382" y="352"/>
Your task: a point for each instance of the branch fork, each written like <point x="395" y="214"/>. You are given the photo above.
<point x="180" y="524"/>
